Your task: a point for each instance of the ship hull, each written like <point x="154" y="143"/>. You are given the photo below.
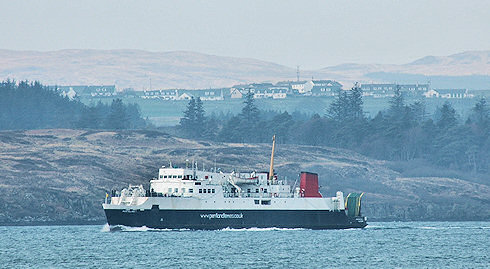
<point x="220" y="219"/>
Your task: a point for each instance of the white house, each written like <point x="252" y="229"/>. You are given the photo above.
<point x="184" y="96"/>
<point x="431" y="93"/>
<point x="448" y="93"/>
<point x="321" y="88"/>
<point x="235" y="94"/>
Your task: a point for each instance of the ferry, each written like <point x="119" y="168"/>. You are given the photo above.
<point x="189" y="198"/>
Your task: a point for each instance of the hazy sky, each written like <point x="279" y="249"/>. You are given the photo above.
<point x="312" y="34"/>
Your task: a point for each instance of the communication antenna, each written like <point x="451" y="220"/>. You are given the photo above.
<point x="297" y="73"/>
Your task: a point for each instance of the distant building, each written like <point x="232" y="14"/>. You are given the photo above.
<point x="260" y="90"/>
<point x="273" y="92"/>
<point x="205" y="95"/>
<point x="321" y="88"/>
<point x="378" y="90"/>
<point x="235" y="93"/>
<point x="88" y="91"/>
<point x="293" y="86"/>
<point x="185" y="96"/>
<point x="451" y="93"/>
<point x="382" y="90"/>
<point x="71" y="94"/>
<point x="161" y="94"/>
<point x="431" y="93"/>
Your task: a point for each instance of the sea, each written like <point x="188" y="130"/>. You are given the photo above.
<point x="379" y="245"/>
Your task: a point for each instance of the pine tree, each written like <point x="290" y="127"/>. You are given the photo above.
<point x="338" y="110"/>
<point x="280" y="126"/>
<point x="199" y="119"/>
<point x="397" y="104"/>
<point x="481" y="113"/>
<point x="448" y="117"/>
<point x="355" y="103"/>
<point x="187" y="122"/>
<point x="250" y="112"/>
<point x="247" y="128"/>
<point x="118" y="118"/>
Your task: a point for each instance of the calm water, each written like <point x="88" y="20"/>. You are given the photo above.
<point x="380" y="245"/>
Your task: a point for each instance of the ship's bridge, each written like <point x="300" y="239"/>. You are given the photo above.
<point x="180" y="174"/>
<point x="184" y="181"/>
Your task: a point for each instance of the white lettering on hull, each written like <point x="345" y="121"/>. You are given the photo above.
<point x="222" y="216"/>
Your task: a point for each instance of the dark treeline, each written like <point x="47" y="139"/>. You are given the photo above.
<point x="26" y="105"/>
<point x="403" y="132"/>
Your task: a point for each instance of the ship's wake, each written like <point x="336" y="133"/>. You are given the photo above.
<point x="122" y="228"/>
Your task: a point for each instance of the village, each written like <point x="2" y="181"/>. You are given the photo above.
<point x="279" y="90"/>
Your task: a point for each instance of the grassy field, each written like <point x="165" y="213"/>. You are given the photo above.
<point x="168" y="113"/>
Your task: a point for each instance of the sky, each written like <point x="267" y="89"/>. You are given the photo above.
<point x="311" y="34"/>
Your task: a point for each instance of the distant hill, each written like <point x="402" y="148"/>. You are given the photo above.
<point x="61" y="176"/>
<point x="463" y="70"/>
<point x="135" y="68"/>
<point x="183" y="69"/>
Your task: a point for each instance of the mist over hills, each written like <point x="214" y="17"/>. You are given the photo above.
<point x="140" y="69"/>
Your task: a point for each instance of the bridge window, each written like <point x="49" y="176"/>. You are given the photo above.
<point x="213" y="190"/>
<point x="257" y="190"/>
<point x="200" y="190"/>
<point x="165" y="176"/>
<point x="265" y="190"/>
<point x="179" y="176"/>
<point x="176" y="190"/>
<point x="256" y="202"/>
<point x="204" y="190"/>
<point x="161" y="176"/>
<point x="266" y="202"/>
<point x="209" y="190"/>
<point x="174" y="176"/>
<point x="191" y="190"/>
<point x="197" y="183"/>
<point x="169" y="189"/>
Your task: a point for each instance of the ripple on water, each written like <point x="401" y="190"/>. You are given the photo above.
<point x="380" y="244"/>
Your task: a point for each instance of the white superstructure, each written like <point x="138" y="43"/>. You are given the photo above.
<point x="188" y="188"/>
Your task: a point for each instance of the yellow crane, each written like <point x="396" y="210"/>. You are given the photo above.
<point x="271" y="169"/>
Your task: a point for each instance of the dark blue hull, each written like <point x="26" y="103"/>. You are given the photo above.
<point x="219" y="219"/>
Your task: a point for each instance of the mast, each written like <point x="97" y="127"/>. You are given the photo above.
<point x="271" y="169"/>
